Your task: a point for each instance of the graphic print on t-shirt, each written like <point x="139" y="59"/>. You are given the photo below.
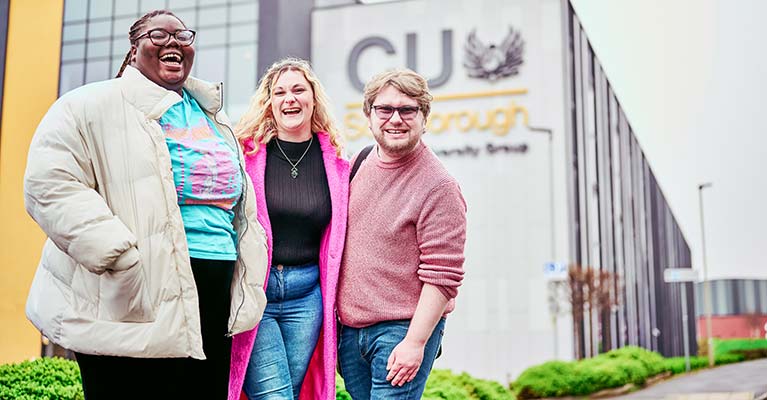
<point x="207" y="179"/>
<point x="206" y="170"/>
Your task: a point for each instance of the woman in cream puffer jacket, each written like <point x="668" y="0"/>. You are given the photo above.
<point x="115" y="277"/>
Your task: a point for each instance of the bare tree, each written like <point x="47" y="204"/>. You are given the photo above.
<point x="593" y="295"/>
<point x="576" y="280"/>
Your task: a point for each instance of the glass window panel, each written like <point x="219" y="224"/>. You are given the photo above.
<point x="98" y="30"/>
<point x="243" y="34"/>
<point x="214" y="16"/>
<point x="211" y="37"/>
<point x="204" y="3"/>
<point x="120" y="46"/>
<point x="73" y="32"/>
<point x="149" y="5"/>
<point x="98" y="48"/>
<point x="75" y="10"/>
<point x="723" y="298"/>
<point x="699" y="299"/>
<point x="179" y="4"/>
<point x="241" y="69"/>
<point x="73" y="51"/>
<point x="189" y="17"/>
<point x="735" y="292"/>
<point x="244" y="12"/>
<point x="71" y="77"/>
<point x="209" y="64"/>
<point x="100" y="9"/>
<point x="97" y="71"/>
<point x="127" y="8"/>
<point x="115" y="65"/>
<point x="121" y="26"/>
<point x="763" y="295"/>
<point x="749" y="296"/>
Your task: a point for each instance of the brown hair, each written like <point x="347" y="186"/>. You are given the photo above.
<point x="406" y="81"/>
<point x="136" y="28"/>
<point x="258" y="121"/>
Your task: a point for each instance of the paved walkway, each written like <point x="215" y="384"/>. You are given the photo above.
<point x="740" y="381"/>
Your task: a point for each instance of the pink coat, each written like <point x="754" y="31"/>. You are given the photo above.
<point x="319" y="383"/>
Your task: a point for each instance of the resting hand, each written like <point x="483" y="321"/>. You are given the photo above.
<point x="404" y="362"/>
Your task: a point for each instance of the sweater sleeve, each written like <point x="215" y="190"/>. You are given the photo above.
<point x="441" y="234"/>
<point x="59" y="195"/>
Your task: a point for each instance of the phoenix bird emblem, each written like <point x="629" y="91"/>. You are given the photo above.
<point x="492" y="61"/>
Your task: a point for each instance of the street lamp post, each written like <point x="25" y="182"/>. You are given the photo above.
<point x="706" y="282"/>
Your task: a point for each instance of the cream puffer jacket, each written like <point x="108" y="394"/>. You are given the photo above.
<point x="115" y="276"/>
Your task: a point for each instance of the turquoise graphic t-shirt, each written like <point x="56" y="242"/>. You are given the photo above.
<point x="208" y="180"/>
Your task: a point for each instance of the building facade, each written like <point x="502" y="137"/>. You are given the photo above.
<point x="738" y="308"/>
<point x="523" y="117"/>
<point x="620" y="222"/>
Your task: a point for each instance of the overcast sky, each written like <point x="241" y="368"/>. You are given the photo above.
<point x="690" y="75"/>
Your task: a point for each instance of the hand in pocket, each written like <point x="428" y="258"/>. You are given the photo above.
<point x="124" y="294"/>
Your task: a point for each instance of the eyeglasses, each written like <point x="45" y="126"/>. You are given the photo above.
<point x="405" y="112"/>
<point x="161" y="37"/>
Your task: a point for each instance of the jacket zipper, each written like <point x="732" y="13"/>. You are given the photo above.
<point x="243" y="197"/>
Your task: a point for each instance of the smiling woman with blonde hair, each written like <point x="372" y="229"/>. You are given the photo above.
<point x="258" y="121"/>
<point x="293" y="156"/>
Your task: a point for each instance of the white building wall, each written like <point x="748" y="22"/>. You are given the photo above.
<point x="502" y="323"/>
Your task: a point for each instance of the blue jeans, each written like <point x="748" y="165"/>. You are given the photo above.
<point x="364" y="352"/>
<point x="287" y="333"/>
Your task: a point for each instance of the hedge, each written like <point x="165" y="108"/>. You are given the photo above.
<point x="59" y="379"/>
<point x="724" y="346"/>
<point x="56" y="378"/>
<point x="612" y="369"/>
<point x="609" y="370"/>
<point x="676" y="365"/>
<point x="44" y="378"/>
<point x="445" y="385"/>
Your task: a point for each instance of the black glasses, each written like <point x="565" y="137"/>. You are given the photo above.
<point x="161" y="37"/>
<point x="405" y="112"/>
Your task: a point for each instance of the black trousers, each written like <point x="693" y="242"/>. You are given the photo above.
<point x="108" y="377"/>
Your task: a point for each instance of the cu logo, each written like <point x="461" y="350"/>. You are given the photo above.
<point x="410" y="57"/>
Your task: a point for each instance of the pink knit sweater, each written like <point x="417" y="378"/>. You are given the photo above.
<point x="407" y="227"/>
<point x="319" y="383"/>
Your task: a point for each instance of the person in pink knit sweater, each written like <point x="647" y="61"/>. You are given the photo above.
<point x="404" y="253"/>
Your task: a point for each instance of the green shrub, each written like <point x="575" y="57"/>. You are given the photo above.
<point x="613" y="369"/>
<point x="550" y="379"/>
<point x="724" y="346"/>
<point x="676" y="365"/>
<point x="750" y="354"/>
<point x="341" y="393"/>
<point x="444" y="385"/>
<point x="651" y="360"/>
<point x="599" y="373"/>
<point x="44" y="378"/>
<point x="728" y="358"/>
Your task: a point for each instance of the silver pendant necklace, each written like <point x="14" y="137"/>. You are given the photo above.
<point x="294" y="167"/>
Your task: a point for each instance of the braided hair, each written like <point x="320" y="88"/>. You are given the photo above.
<point x="135" y="30"/>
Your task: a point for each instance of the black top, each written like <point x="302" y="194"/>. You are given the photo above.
<point x="299" y="209"/>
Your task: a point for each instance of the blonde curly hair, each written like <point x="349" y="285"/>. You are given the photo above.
<point x="258" y="121"/>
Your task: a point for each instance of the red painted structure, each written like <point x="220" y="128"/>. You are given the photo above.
<point x="735" y="326"/>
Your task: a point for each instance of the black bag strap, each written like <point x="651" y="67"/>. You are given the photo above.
<point x="360" y="158"/>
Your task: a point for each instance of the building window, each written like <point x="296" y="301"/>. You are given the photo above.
<point x="95" y="42"/>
